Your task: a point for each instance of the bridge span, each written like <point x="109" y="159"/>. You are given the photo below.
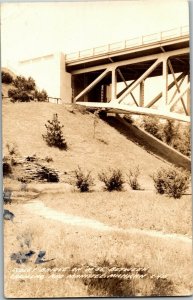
<point x="113" y="77"/>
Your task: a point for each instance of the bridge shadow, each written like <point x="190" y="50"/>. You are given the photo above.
<point x="149" y="143"/>
<point x="128" y="132"/>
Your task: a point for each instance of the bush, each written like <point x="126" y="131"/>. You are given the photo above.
<point x="24" y="84"/>
<point x="41" y="96"/>
<point x="182" y="142"/>
<point x="170" y="131"/>
<point x="83" y="181"/>
<point x="113" y="180"/>
<point x="133" y="178"/>
<point x="173" y="133"/>
<point x="6" y="78"/>
<point x="153" y="126"/>
<point x="18" y="95"/>
<point x="54" y="136"/>
<point x="7" y="170"/>
<point x="171" y="181"/>
<point x="12" y="93"/>
<point x="25" y="91"/>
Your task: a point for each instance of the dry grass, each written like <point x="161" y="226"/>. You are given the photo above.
<point x="76" y="246"/>
<point x="25" y="130"/>
<point x="138" y="209"/>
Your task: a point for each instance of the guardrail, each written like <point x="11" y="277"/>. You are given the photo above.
<point x="134" y="42"/>
<point x="54" y="100"/>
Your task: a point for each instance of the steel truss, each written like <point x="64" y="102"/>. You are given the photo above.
<point x="165" y="105"/>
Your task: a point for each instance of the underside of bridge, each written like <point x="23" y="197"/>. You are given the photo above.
<point x="96" y="82"/>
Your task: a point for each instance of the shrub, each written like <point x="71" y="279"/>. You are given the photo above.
<point x="25" y="91"/>
<point x="30" y="84"/>
<point x="170" y="131"/>
<point x="12" y="93"/>
<point x="7" y="170"/>
<point x="171" y="181"/>
<point x="133" y="178"/>
<point x="6" y="77"/>
<point x="41" y="96"/>
<point x="54" y="136"/>
<point x="19" y="95"/>
<point x="24" y="97"/>
<point x="83" y="181"/>
<point x="153" y="126"/>
<point x="24" y="84"/>
<point x="182" y="142"/>
<point x="113" y="180"/>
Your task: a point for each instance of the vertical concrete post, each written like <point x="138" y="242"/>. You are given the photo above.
<point x="65" y="81"/>
<point x="141" y="91"/>
<point x="85" y="85"/>
<point x="188" y="96"/>
<point x="114" y="85"/>
<point x="164" y="101"/>
<point x="73" y="89"/>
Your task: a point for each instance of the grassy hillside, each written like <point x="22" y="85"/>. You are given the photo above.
<point x="128" y="229"/>
<point x="24" y="124"/>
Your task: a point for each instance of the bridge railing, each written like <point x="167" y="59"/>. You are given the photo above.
<point x="131" y="43"/>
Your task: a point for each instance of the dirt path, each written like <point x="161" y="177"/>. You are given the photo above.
<point x="38" y="208"/>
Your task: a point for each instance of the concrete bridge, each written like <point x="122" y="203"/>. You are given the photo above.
<point x="113" y="77"/>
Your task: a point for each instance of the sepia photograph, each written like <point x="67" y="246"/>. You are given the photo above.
<point x="96" y="154"/>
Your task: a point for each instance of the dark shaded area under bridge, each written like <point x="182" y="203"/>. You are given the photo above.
<point x="130" y="72"/>
<point x="148" y="142"/>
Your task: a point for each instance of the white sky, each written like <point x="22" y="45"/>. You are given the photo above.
<point x="32" y="29"/>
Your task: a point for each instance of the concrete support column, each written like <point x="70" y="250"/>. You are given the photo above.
<point x="141" y="92"/>
<point x="164" y="102"/>
<point x="188" y="99"/>
<point x="85" y="85"/>
<point x="65" y="81"/>
<point x="73" y="89"/>
<point x="114" y="85"/>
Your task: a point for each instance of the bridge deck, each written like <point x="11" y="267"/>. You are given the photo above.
<point x="145" y="45"/>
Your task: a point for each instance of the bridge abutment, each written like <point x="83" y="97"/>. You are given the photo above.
<point x="50" y="73"/>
